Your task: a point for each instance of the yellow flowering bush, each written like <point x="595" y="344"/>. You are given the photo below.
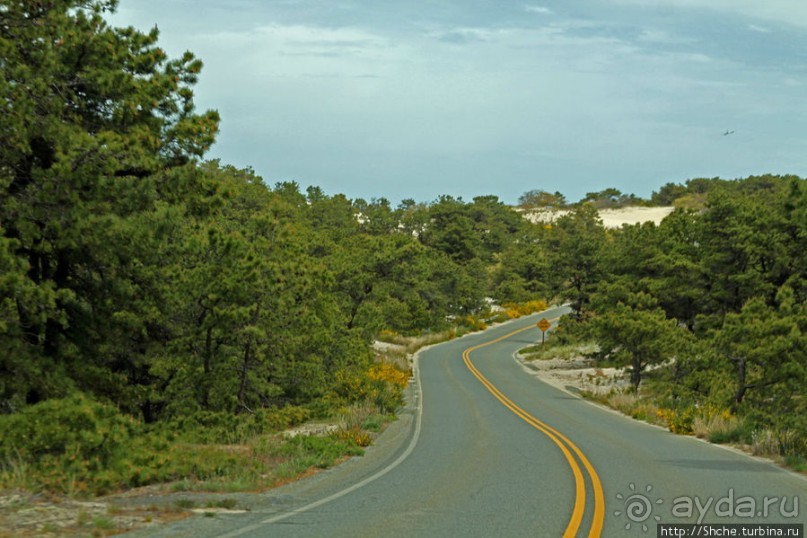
<point x="387" y="385"/>
<point x="516" y="310"/>
<point x="354" y="436"/>
<point x="474" y="323"/>
<point x="678" y="421"/>
<point x="388" y="373"/>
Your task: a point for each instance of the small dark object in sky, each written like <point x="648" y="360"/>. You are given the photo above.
<point x="728" y="132"/>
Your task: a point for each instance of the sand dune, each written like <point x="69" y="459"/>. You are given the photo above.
<point x="611" y="218"/>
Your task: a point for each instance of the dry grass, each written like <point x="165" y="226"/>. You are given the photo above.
<point x="636" y="407"/>
<point x="715" y="426"/>
<point x="778" y="443"/>
<point x="356" y="415"/>
<point x="622" y="401"/>
<point x="397" y="349"/>
<point x="412" y="343"/>
<point x="764" y="443"/>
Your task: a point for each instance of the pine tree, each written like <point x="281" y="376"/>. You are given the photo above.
<point x="97" y="125"/>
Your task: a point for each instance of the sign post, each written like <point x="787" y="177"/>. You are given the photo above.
<point x="544" y="325"/>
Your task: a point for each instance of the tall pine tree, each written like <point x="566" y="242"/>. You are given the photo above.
<point x="97" y="123"/>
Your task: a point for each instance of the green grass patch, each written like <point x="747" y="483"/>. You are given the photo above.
<point x="374" y="423"/>
<point x="797" y="463"/>
<point x="184" y="504"/>
<point x="306" y="451"/>
<point x="51" y="528"/>
<point x="227" y="504"/>
<point x="103" y="523"/>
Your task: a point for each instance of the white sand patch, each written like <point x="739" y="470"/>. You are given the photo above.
<point x="545" y="216"/>
<point x="615" y="218"/>
<point x="576" y="375"/>
<point x="318" y="429"/>
<point x="611" y="218"/>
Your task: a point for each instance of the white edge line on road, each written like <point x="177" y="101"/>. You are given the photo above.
<point x="409" y="449"/>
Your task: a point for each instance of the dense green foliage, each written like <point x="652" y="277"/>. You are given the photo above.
<point x="715" y="299"/>
<point x="136" y="273"/>
<point x="145" y="291"/>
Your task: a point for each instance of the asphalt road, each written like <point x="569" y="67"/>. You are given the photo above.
<point x="485" y="450"/>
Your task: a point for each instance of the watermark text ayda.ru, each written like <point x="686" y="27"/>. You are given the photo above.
<point x="731" y="505"/>
<point x="640" y="508"/>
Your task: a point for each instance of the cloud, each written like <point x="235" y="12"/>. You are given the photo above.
<point x="320" y="39"/>
<point x="538" y="9"/>
<point x="779" y="11"/>
<point x="443" y="99"/>
<point x="663" y="37"/>
<point x="276" y="52"/>
<point x="463" y="36"/>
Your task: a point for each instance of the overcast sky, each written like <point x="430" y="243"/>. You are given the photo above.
<point x="414" y="99"/>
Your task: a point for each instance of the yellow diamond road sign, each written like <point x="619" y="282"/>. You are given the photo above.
<point x="544" y="324"/>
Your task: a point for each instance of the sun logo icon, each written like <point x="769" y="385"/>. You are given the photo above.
<point x="638" y="507"/>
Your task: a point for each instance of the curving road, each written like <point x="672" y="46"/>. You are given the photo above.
<point x="485" y="449"/>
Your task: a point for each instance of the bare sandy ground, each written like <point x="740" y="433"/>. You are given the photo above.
<point x="611" y="218"/>
<point x="575" y="375"/>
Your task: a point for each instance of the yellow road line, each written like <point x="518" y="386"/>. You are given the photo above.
<point x="561" y="441"/>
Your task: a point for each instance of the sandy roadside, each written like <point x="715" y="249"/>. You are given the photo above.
<point x="575" y="375"/>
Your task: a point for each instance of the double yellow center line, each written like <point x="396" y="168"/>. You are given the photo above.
<point x="568" y="448"/>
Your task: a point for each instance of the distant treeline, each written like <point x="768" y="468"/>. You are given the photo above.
<point x="691" y="194"/>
